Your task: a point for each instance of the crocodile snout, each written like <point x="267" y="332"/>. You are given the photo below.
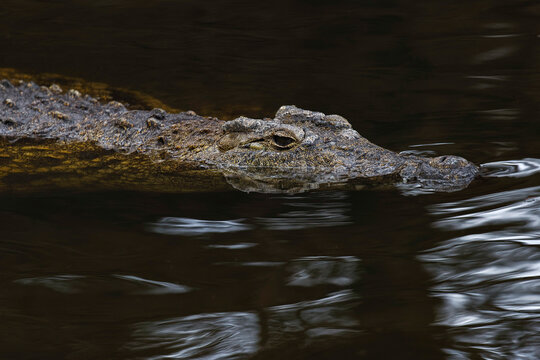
<point x="446" y="173"/>
<point x="449" y="168"/>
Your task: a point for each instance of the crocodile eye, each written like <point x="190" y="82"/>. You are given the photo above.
<point x="282" y="141"/>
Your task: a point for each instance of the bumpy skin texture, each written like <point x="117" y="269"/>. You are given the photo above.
<point x="297" y="149"/>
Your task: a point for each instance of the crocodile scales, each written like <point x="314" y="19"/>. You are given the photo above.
<point x="305" y="146"/>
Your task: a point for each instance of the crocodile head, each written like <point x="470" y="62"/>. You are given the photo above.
<point x="301" y="149"/>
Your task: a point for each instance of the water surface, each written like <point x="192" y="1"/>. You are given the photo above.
<point x="94" y="273"/>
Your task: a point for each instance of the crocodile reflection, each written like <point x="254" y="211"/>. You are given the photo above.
<point x="295" y="151"/>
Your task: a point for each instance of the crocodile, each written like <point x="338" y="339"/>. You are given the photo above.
<point x="296" y="150"/>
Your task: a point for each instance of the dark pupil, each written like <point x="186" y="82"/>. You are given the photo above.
<point x="282" y="141"/>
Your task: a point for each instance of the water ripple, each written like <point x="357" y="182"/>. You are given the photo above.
<point x="318" y="210"/>
<point x="61" y="283"/>
<point x="296" y="220"/>
<point x="295" y="213"/>
<point x="239" y="246"/>
<point x="494" y="54"/>
<point x="524" y="213"/>
<point x="189" y="227"/>
<point x="204" y="336"/>
<point x="318" y="270"/>
<point x="332" y="316"/>
<point x="511" y="168"/>
<point x="77" y="284"/>
<point x="155" y="287"/>
<point x="489" y="278"/>
<point x="232" y="335"/>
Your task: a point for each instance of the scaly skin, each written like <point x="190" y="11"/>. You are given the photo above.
<point x="298" y="149"/>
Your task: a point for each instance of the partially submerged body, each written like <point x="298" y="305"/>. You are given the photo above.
<point x="296" y="150"/>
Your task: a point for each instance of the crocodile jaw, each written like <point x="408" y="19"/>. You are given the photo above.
<point x="442" y="173"/>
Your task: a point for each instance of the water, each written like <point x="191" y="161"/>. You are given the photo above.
<point x="397" y="273"/>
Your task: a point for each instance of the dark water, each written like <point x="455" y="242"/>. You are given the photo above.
<point x="335" y="274"/>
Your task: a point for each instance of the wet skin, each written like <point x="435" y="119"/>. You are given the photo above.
<point x="299" y="147"/>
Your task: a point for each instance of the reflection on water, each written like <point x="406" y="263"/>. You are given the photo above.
<point x="232" y="335"/>
<point x="253" y="263"/>
<point x="317" y="270"/>
<point x="239" y="246"/>
<point x="317" y="320"/>
<point x="60" y="283"/>
<point x="85" y="275"/>
<point x="489" y="278"/>
<point x="322" y="209"/>
<point x="483" y="201"/>
<point x="326" y="317"/>
<point x="129" y="284"/>
<point x="205" y="336"/>
<point x="188" y="226"/>
<point x="512" y="168"/>
<point x="515" y="216"/>
<point x="318" y="210"/>
<point x="497" y="53"/>
<point x="155" y="287"/>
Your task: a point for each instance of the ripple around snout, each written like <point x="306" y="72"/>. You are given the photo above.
<point x="511" y="168"/>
